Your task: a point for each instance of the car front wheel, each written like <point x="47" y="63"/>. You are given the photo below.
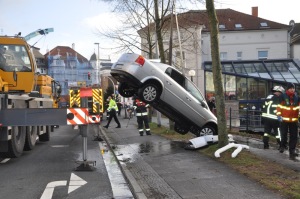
<point x="206" y="130"/>
<point x="149" y="93"/>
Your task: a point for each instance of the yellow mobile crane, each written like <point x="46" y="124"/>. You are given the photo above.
<point x="21" y="90"/>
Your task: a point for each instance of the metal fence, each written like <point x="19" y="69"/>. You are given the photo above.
<point x="245" y="120"/>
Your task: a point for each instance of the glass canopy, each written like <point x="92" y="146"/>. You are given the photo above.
<point x="283" y="70"/>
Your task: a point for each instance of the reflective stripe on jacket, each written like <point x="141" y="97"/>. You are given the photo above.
<point x="140" y="107"/>
<point x="270" y="107"/>
<point x="142" y="114"/>
<point x="289" y="111"/>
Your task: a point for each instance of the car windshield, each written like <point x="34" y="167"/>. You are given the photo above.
<point x="193" y="90"/>
<point x="14" y="58"/>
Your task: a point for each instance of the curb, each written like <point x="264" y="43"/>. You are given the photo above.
<point x="133" y="185"/>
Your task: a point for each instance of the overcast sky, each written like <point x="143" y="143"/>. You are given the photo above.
<point x="76" y="21"/>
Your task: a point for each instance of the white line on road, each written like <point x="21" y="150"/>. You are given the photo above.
<point x="48" y="192"/>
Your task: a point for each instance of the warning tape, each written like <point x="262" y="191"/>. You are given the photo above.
<point x="92" y="119"/>
<point x="77" y="116"/>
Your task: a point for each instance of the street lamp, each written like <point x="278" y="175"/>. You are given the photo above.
<point x="192" y="73"/>
<point x="98" y="57"/>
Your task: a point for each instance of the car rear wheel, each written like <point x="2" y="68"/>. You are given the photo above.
<point x="125" y="90"/>
<point x="206" y="130"/>
<point x="149" y="93"/>
<point x="181" y="129"/>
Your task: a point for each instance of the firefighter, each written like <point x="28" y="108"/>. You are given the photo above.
<point x="288" y="113"/>
<point x="212" y="105"/>
<point x="269" y="110"/>
<point x="112" y="109"/>
<point x="142" y="116"/>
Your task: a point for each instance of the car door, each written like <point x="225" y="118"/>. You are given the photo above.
<point x="199" y="112"/>
<point x="174" y="91"/>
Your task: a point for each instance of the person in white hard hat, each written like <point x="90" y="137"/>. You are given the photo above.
<point x="270" y="117"/>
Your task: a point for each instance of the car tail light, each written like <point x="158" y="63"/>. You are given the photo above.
<point x="140" y="60"/>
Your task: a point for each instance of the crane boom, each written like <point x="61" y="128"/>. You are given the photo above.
<point x="38" y="32"/>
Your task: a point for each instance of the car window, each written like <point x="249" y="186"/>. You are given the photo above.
<point x="193" y="90"/>
<point x="176" y="76"/>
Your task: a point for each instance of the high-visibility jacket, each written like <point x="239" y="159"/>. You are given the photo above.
<point x="289" y="108"/>
<point x="112" y="105"/>
<point x="269" y="108"/>
<point x="140" y="107"/>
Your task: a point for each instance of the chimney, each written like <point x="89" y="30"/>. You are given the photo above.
<point x="255" y="11"/>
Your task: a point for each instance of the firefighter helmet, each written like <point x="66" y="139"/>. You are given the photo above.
<point x="278" y="89"/>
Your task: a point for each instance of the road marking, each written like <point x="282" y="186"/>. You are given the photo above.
<point x="75" y="183"/>
<point x="59" y="146"/>
<point x="48" y="192"/>
<point x="5" y="160"/>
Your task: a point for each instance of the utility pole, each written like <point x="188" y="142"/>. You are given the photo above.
<point x="98" y="64"/>
<point x="98" y="56"/>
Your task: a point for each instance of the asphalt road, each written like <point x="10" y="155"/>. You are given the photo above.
<point x="50" y="170"/>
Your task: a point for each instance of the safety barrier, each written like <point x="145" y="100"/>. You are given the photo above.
<point x="245" y="120"/>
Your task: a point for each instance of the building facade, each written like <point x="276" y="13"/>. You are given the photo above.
<point x="241" y="37"/>
<point x="71" y="69"/>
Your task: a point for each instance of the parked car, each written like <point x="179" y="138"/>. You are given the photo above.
<point x="167" y="90"/>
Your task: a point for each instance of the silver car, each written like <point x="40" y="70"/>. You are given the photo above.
<point x="167" y="90"/>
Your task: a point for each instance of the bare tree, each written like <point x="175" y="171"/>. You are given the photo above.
<point x="142" y="26"/>
<point x="152" y="20"/>
<point x="217" y="73"/>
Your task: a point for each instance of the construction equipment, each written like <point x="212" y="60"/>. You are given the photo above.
<point x="38" y="32"/>
<point x="25" y="99"/>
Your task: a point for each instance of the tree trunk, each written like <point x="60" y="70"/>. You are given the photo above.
<point x="217" y="73"/>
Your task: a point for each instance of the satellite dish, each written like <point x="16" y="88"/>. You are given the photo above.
<point x="292" y="23"/>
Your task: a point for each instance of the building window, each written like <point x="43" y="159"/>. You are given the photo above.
<point x="263" y="24"/>
<point x="209" y="85"/>
<point x="178" y="55"/>
<point x="238" y="25"/>
<point x="230" y="87"/>
<point x="221" y="26"/>
<point x="239" y="55"/>
<point x="262" y="54"/>
<point x="223" y="55"/>
<point x="178" y="58"/>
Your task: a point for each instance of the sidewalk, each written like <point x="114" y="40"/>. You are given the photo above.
<point x="157" y="168"/>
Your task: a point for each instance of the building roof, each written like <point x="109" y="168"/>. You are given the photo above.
<point x="65" y="51"/>
<point x="37" y="54"/>
<point x="281" y="70"/>
<point x="229" y="20"/>
<point x="93" y="57"/>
